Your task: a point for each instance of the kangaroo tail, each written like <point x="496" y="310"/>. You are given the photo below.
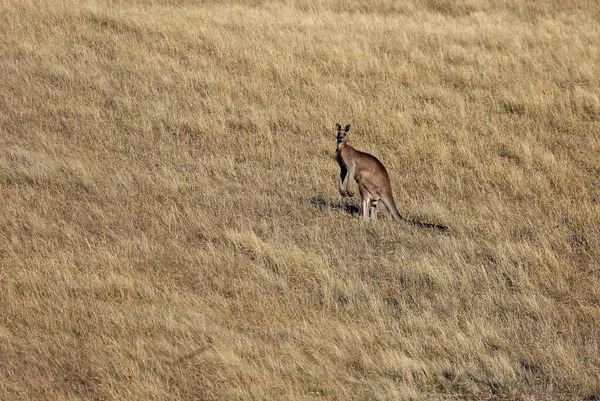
<point x="389" y="203"/>
<point x="391" y="207"/>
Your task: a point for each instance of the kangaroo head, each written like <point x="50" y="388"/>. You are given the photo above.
<point x="342" y="134"/>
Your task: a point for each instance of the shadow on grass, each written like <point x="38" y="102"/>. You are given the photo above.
<point x="348" y="206"/>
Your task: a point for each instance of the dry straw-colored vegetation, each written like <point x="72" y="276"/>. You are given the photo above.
<point x="170" y="226"/>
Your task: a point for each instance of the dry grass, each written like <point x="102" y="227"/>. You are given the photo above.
<point x="170" y="226"/>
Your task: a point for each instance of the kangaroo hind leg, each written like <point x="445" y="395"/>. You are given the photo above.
<point x="366" y="200"/>
<point x="373" y="208"/>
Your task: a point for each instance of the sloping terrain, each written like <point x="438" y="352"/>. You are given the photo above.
<point x="170" y="226"/>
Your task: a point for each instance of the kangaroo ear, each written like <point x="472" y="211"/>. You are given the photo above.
<point x="338" y="126"/>
<point x="347" y="128"/>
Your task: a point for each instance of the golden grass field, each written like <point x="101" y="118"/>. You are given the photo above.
<point x="171" y="229"/>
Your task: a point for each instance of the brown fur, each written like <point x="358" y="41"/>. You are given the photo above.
<point x="370" y="175"/>
<point x="372" y="179"/>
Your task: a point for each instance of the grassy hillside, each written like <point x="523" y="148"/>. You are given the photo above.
<point x="170" y="226"/>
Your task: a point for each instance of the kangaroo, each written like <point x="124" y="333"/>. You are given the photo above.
<point x="372" y="179"/>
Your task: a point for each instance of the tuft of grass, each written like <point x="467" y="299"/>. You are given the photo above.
<point x="170" y="226"/>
